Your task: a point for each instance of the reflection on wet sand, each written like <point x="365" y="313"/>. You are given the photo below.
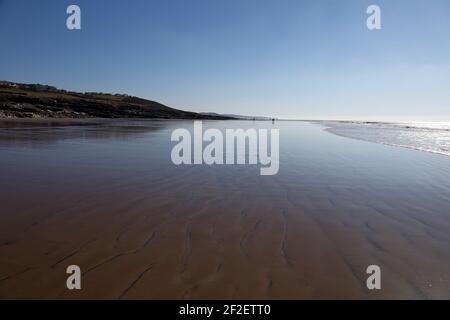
<point x="140" y="227"/>
<point x="26" y="132"/>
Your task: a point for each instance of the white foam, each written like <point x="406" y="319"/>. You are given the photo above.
<point x="425" y="136"/>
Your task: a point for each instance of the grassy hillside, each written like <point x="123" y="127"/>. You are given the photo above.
<point x="37" y="101"/>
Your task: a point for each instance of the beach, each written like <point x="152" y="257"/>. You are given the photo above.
<point x="105" y="195"/>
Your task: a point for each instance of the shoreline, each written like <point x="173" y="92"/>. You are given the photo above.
<point x="387" y="144"/>
<point x="142" y="228"/>
<point x="401" y="135"/>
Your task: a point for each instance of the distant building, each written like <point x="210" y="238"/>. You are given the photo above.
<point x="8" y="84"/>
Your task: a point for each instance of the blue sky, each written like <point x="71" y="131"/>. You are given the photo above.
<point x="295" y="59"/>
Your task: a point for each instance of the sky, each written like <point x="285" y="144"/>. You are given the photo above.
<point x="311" y="59"/>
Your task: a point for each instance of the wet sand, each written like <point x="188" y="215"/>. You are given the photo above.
<point x="106" y="197"/>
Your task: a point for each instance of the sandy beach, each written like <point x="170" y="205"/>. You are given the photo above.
<point x="105" y="196"/>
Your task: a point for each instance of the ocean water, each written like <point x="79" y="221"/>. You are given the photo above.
<point x="425" y="136"/>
